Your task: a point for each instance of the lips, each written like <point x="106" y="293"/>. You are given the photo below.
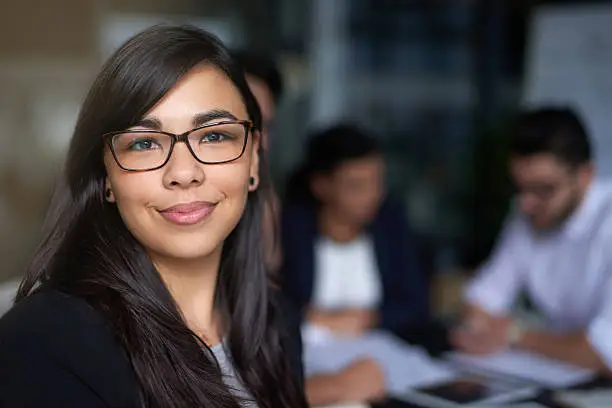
<point x="189" y="213"/>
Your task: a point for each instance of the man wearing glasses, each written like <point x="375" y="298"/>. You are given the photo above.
<point x="556" y="247"/>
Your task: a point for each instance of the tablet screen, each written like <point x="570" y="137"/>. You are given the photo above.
<point x="471" y="388"/>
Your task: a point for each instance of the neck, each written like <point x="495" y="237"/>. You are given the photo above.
<point x="337" y="228"/>
<point x="583" y="192"/>
<point x="192" y="284"/>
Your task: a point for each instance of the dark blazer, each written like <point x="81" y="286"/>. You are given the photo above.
<point x="405" y="287"/>
<point x="57" y="351"/>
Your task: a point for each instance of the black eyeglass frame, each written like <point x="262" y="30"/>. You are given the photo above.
<point x="183" y="137"/>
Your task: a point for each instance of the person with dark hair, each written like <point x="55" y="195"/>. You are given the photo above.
<point x="266" y="84"/>
<point x="149" y="287"/>
<point x="554" y="246"/>
<point x="351" y="262"/>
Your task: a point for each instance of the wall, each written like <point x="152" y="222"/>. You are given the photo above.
<point x="49" y="53"/>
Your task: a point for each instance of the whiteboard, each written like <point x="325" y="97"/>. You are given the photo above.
<point x="569" y="62"/>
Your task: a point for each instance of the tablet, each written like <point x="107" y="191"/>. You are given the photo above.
<point x="470" y="390"/>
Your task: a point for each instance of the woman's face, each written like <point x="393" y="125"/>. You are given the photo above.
<point x="186" y="209"/>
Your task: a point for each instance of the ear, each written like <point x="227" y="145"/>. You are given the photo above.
<point x="254" y="169"/>
<point x="319" y="186"/>
<point x="109" y="195"/>
<point x="586" y="174"/>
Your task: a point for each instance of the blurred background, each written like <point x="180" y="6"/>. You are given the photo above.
<point x="435" y="80"/>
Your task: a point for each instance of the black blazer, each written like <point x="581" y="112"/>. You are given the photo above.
<point x="405" y="286"/>
<point x="57" y="351"/>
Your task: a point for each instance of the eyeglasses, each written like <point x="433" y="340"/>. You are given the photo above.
<point x="145" y="150"/>
<point x="543" y="190"/>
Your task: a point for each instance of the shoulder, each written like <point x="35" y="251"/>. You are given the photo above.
<point x="42" y="307"/>
<point x="392" y="213"/>
<point x="593" y="219"/>
<point x="63" y="338"/>
<point x="602" y="197"/>
<point x="391" y="222"/>
<point x="298" y="224"/>
<point x="296" y="211"/>
<point x="55" y="319"/>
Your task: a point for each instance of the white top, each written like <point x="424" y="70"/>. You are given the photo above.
<point x="567" y="273"/>
<point x="346" y="275"/>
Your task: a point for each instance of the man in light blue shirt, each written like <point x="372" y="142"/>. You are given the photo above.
<point x="556" y="246"/>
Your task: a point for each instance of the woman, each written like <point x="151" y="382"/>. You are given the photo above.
<point x="149" y="287"/>
<point x="350" y="262"/>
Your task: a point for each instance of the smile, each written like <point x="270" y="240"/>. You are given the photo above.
<point x="188" y="214"/>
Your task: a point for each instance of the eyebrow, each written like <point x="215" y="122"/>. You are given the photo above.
<point x="148" y="123"/>
<point x="215" y="114"/>
<point x="198" y="120"/>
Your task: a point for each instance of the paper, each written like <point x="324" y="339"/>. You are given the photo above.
<point x="528" y="366"/>
<point x="598" y="398"/>
<point x="404" y="366"/>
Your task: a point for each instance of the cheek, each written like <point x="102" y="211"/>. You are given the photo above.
<point x="138" y="194"/>
<point x="366" y="196"/>
<point x="235" y="193"/>
<point x="562" y="202"/>
<point x="231" y="182"/>
<point x="352" y="203"/>
<point x="133" y="194"/>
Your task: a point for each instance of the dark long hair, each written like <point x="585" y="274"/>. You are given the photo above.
<point x="326" y="150"/>
<point x="87" y="250"/>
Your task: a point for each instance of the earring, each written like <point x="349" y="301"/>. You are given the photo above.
<point x="108" y="193"/>
<point x="251" y="181"/>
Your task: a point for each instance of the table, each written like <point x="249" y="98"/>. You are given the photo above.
<point x="544" y="397"/>
<point x="434" y="338"/>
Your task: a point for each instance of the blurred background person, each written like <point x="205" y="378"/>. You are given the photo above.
<point x="555" y="246"/>
<point x="350" y="261"/>
<point x="266" y="83"/>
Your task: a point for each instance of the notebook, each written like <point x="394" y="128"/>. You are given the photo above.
<point x="528" y="366"/>
<point x="470" y="389"/>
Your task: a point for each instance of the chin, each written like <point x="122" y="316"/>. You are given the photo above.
<point x="187" y="254"/>
<point x="185" y="248"/>
<point x="542" y="225"/>
<point x="364" y="218"/>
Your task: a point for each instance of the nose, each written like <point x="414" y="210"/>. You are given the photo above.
<point x="182" y="169"/>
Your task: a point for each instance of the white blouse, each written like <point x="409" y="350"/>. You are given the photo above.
<point x="346" y="275"/>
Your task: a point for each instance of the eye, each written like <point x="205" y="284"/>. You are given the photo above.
<point x="214" y="137"/>
<point x="143" y="144"/>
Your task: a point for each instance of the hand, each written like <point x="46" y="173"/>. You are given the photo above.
<point x="351" y="322"/>
<point x="362" y="381"/>
<point x="486" y="336"/>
